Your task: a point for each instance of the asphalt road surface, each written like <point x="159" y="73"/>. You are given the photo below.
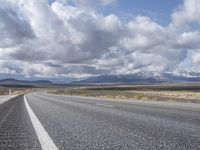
<point x="41" y="121"/>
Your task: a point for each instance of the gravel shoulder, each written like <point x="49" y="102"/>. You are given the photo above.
<point x="6" y="98"/>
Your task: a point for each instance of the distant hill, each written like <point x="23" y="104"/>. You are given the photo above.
<point x="16" y="82"/>
<point x="138" y="78"/>
<point x="118" y="79"/>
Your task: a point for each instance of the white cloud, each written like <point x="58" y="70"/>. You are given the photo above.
<point x="143" y="34"/>
<point x="189" y="12"/>
<point x="76" y="40"/>
<point x="107" y="2"/>
<point x="196" y="57"/>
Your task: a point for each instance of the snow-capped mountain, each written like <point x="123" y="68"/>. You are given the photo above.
<point x="140" y="78"/>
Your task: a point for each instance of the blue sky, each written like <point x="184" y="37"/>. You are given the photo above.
<point x="160" y="10"/>
<point x="156" y="6"/>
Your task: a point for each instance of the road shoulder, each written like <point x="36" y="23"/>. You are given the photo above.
<point x="131" y="101"/>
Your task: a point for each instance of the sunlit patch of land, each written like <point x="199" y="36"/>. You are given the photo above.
<point x="177" y="93"/>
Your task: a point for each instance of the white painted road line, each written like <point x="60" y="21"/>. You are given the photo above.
<point x="105" y="105"/>
<point x="44" y="138"/>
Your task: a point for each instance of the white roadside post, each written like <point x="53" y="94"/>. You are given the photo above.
<point x="10" y="92"/>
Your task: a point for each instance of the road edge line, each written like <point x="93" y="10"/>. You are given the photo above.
<point x="43" y="137"/>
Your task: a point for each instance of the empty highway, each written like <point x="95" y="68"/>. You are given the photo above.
<point x="42" y="121"/>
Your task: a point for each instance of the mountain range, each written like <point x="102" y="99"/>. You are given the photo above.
<point x="16" y="82"/>
<point x="138" y="78"/>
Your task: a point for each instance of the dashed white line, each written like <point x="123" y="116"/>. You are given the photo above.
<point x="43" y="137"/>
<point x="105" y="105"/>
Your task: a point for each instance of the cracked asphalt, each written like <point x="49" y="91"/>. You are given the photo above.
<point x="87" y="123"/>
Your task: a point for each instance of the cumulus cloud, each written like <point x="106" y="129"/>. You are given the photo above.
<point x="143" y="34"/>
<point x="189" y="12"/>
<point x="71" y="39"/>
<point x="196" y="57"/>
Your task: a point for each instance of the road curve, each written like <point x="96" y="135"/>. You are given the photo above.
<point x="86" y="123"/>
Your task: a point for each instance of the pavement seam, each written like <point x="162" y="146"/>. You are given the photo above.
<point x="43" y="137"/>
<point x="6" y="116"/>
<point x="105" y="105"/>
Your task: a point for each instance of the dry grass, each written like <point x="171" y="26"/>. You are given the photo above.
<point x="3" y="91"/>
<point x="155" y="93"/>
<point x="14" y="91"/>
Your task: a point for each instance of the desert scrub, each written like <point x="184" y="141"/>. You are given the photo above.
<point x="139" y="96"/>
<point x="3" y="91"/>
<point x="134" y="95"/>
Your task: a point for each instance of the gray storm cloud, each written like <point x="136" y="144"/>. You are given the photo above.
<point x="76" y="40"/>
<point x="14" y="29"/>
